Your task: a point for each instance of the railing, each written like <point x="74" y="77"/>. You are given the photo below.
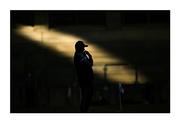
<point x="122" y="64"/>
<point x="120" y="87"/>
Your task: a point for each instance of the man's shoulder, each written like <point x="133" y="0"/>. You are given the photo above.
<point x="78" y="54"/>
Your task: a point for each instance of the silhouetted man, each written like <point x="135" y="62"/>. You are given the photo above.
<point x="83" y="63"/>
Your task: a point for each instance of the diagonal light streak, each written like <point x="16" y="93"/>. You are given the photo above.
<point x="64" y="44"/>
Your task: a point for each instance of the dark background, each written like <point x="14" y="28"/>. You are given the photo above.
<point x="42" y="80"/>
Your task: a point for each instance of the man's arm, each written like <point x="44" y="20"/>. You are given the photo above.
<point x="81" y="59"/>
<point x="90" y="58"/>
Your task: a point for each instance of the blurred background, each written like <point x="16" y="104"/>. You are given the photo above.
<point x="131" y="52"/>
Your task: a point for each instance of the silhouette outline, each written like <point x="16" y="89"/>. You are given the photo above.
<point x="83" y="62"/>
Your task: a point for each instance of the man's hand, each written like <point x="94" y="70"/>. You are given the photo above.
<point x="88" y="54"/>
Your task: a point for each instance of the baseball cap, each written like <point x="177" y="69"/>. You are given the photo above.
<point x="80" y="44"/>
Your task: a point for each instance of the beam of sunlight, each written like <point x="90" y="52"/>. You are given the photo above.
<point x="64" y="44"/>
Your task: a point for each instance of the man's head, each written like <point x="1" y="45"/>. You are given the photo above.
<point x="79" y="46"/>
